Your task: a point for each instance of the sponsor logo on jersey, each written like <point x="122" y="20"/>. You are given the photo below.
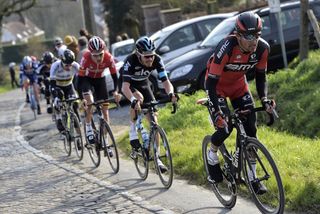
<point x="240" y="67"/>
<point x="253" y="58"/>
<point x="222" y="49"/>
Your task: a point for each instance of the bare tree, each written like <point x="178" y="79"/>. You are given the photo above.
<point x="8" y="7"/>
<point x="304" y="34"/>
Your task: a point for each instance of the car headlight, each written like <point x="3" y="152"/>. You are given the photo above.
<point x="181" y="71"/>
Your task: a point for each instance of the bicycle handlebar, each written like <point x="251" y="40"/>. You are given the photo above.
<point x="161" y="101"/>
<point x="99" y="102"/>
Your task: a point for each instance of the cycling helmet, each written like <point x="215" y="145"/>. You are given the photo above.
<point x="96" y="45"/>
<point x="48" y="57"/>
<point x="57" y="41"/>
<point x="144" y="45"/>
<point x="248" y="23"/>
<point x="27" y="60"/>
<point x="67" y="57"/>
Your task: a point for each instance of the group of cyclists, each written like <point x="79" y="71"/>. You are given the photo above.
<point x="235" y="55"/>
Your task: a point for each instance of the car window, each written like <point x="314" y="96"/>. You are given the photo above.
<point x="266" y="26"/>
<point x="205" y="27"/>
<point x="180" y="38"/>
<point x="290" y="18"/>
<point x="218" y="33"/>
<point x="124" y="50"/>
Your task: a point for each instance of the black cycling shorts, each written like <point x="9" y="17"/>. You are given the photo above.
<point x="96" y="86"/>
<point x="144" y="89"/>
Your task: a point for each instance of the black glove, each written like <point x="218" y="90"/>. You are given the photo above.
<point x="134" y="103"/>
<point x="219" y="120"/>
<point x="268" y="105"/>
<point x="175" y="94"/>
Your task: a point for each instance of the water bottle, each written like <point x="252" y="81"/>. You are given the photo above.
<point x="145" y="138"/>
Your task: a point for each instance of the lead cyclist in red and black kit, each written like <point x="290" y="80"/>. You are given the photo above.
<point x="92" y="76"/>
<point x="234" y="56"/>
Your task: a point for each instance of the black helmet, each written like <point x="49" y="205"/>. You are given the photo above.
<point x="48" y="57"/>
<point x="248" y="23"/>
<point x="144" y="45"/>
<point x="67" y="57"/>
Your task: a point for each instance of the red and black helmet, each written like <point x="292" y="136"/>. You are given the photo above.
<point x="248" y="23"/>
<point x="96" y="45"/>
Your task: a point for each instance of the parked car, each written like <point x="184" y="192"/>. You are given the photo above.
<point x="187" y="72"/>
<point x="120" y="50"/>
<point x="179" y="38"/>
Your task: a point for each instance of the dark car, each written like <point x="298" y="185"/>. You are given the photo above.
<point x="187" y="72"/>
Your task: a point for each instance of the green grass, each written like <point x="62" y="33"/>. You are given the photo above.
<point x="293" y="141"/>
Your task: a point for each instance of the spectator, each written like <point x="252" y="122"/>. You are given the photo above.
<point x="59" y="46"/>
<point x="83" y="46"/>
<point x="72" y="44"/>
<point x="124" y="36"/>
<point x="118" y="38"/>
<point x="13" y="75"/>
<point x="84" y="32"/>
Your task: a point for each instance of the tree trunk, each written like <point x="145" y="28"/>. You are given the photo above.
<point x="304" y="34"/>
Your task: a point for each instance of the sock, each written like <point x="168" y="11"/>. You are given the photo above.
<point x="133" y="135"/>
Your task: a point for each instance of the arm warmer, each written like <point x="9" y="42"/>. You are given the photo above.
<point x="211" y="84"/>
<point x="261" y="84"/>
<point x="115" y="82"/>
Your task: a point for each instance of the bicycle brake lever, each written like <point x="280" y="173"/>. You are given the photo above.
<point x="174" y="108"/>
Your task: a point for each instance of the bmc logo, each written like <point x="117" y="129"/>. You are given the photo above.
<point x="222" y="49"/>
<point x="240" y="67"/>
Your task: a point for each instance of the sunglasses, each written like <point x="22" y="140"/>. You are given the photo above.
<point x="148" y="56"/>
<point x="250" y="37"/>
<point x="97" y="55"/>
<point x="66" y="65"/>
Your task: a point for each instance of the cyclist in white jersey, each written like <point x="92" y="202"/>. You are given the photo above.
<point x="62" y="73"/>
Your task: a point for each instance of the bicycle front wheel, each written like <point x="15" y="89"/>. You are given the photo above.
<point x="67" y="143"/>
<point x="110" y="147"/>
<point x="162" y="157"/>
<point x="225" y="191"/>
<point x="260" y="169"/>
<point x="77" y="137"/>
<point x="94" y="151"/>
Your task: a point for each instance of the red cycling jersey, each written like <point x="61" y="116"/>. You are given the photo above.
<point x="230" y="65"/>
<point x="90" y="68"/>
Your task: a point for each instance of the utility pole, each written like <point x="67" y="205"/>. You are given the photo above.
<point x="88" y="14"/>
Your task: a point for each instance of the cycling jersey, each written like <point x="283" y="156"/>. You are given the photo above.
<point x="90" y="68"/>
<point x="28" y="73"/>
<point x="62" y="76"/>
<point x="228" y="65"/>
<point x="136" y="74"/>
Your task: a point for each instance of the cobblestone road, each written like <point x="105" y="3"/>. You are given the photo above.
<point x="32" y="182"/>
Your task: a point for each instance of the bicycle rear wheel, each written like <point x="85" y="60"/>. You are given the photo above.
<point x="162" y="152"/>
<point x="225" y="191"/>
<point x="94" y="151"/>
<point x="256" y="155"/>
<point x="77" y="136"/>
<point x="110" y="147"/>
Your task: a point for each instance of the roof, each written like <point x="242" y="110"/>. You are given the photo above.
<point x="122" y="43"/>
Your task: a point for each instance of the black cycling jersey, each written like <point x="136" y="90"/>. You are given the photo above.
<point x="137" y="74"/>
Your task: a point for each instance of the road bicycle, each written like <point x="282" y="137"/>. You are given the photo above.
<point x="104" y="139"/>
<point x="237" y="167"/>
<point x="72" y="127"/>
<point x="33" y="101"/>
<point x="155" y="139"/>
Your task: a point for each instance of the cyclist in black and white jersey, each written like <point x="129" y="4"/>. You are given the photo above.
<point x="136" y="87"/>
<point x="62" y="73"/>
<point x="43" y="72"/>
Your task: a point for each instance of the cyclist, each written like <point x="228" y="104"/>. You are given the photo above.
<point x="28" y="74"/>
<point x="92" y="76"/>
<point x="136" y="87"/>
<point x="61" y="75"/>
<point x="43" y="72"/>
<point x="234" y="56"/>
